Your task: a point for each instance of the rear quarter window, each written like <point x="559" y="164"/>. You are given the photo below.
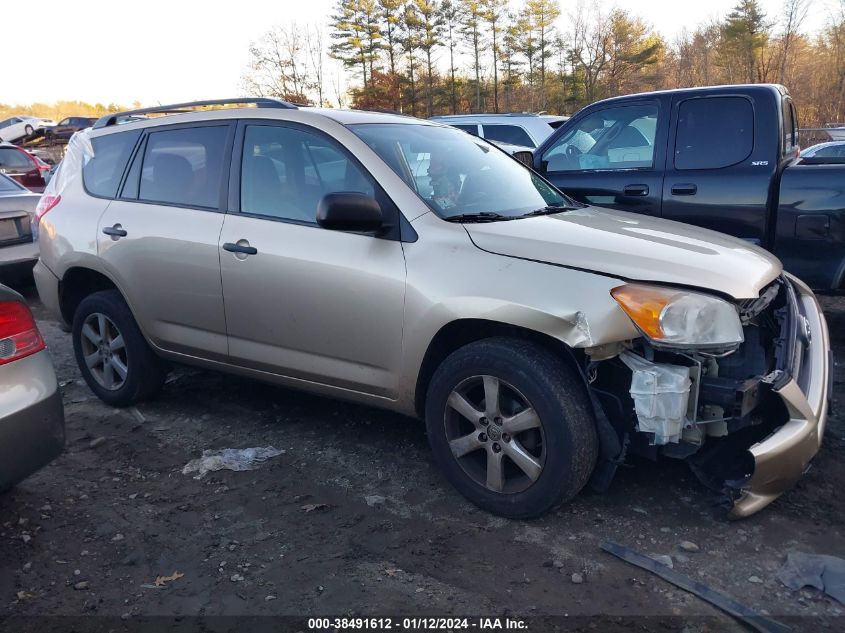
<point x="101" y="174"/>
<point x="512" y="134"/>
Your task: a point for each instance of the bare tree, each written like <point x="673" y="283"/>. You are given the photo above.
<point x="793" y="16"/>
<point x="314" y="47"/>
<point x="591" y="45"/>
<point x="280" y="66"/>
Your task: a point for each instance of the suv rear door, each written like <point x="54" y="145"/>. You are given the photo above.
<point x="302" y="301"/>
<point x="159" y="237"/>
<point x="610" y="156"/>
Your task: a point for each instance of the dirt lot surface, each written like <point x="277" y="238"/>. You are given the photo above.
<point x="354" y="518"/>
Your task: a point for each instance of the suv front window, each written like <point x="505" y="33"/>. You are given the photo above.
<point x="456" y="174"/>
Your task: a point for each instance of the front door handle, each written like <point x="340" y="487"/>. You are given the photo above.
<point x="240" y="247"/>
<point x="635" y="190"/>
<point x="115" y="231"/>
<point x="685" y="189"/>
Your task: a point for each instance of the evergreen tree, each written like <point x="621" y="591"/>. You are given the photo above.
<point x="431" y="30"/>
<point x="541" y="15"/>
<point x="390" y="14"/>
<point x="492" y="13"/>
<point x="471" y="25"/>
<point x="356" y="33"/>
<point x="451" y="13"/>
<point x="745" y="34"/>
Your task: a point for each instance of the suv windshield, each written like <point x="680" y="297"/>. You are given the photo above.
<point x="458" y="175"/>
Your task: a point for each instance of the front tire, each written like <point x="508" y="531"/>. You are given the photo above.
<point x="112" y="353"/>
<point x="511" y="426"/>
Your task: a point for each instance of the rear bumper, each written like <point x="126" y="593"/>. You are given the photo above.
<point x="782" y="458"/>
<point x="18" y="254"/>
<point x="32" y="428"/>
<point x="48" y="289"/>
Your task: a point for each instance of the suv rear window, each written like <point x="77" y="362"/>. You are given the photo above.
<point x="184" y="166"/>
<point x="714" y="132"/>
<point x="11" y="158"/>
<point x="512" y="134"/>
<point x="7" y="184"/>
<point x="101" y="175"/>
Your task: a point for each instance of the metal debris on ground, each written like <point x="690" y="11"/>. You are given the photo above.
<point x="825" y="573"/>
<point x="230" y="459"/>
<point x="720" y="600"/>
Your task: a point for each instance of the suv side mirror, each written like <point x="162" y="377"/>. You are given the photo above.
<point x="349" y="211"/>
<point x="526" y="158"/>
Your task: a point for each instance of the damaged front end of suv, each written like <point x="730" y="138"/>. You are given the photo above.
<point x="738" y="389"/>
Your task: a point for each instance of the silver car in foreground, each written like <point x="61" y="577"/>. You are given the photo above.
<point x="407" y="265"/>
<point x="32" y="431"/>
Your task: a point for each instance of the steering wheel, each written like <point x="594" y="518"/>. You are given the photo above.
<point x="573" y="152"/>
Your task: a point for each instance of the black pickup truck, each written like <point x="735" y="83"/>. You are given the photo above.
<point x="725" y="158"/>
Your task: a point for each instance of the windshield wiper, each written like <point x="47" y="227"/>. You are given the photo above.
<point x="483" y="216"/>
<point x="547" y="210"/>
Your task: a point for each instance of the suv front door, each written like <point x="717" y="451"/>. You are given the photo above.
<point x="159" y="238"/>
<point x="305" y="302"/>
<point x="610" y="157"/>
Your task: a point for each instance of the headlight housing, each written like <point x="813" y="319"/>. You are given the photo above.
<point x="672" y="317"/>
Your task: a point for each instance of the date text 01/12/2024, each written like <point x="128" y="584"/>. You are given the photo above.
<point x="416" y="624"/>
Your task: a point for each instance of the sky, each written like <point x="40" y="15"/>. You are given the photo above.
<point x="166" y="51"/>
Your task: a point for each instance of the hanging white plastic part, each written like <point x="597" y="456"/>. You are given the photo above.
<point x="79" y="151"/>
<point x="661" y="397"/>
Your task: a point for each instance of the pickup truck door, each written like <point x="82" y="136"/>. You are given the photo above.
<point x="720" y="165"/>
<point x="610" y="156"/>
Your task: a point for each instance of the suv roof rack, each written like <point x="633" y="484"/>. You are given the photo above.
<point x="181" y="108"/>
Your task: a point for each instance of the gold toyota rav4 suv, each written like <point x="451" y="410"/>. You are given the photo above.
<point x="408" y="265"/>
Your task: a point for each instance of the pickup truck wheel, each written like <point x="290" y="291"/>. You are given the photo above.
<point x="112" y="354"/>
<point x="511" y="426"/>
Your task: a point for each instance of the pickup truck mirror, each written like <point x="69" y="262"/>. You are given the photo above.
<point x="349" y="211"/>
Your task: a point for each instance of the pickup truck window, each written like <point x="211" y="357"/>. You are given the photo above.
<point x="790" y="128"/>
<point x="613" y="138"/>
<point x="714" y="132"/>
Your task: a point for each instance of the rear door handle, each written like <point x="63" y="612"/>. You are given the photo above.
<point x="115" y="231"/>
<point x="241" y="246"/>
<point x="635" y="190"/>
<point x="686" y="189"/>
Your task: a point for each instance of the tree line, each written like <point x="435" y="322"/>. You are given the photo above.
<point x="427" y="57"/>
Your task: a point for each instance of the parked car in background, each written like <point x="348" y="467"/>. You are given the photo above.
<point x="67" y="127"/>
<point x="408" y="265"/>
<point x="19" y="127"/>
<point x="831" y="149"/>
<point x="23" y="167"/>
<point x="32" y="430"/>
<point x="18" y="251"/>
<point x="518" y="128"/>
<point x="724" y="158"/>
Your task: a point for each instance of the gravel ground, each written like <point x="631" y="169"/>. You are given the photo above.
<point x="354" y="518"/>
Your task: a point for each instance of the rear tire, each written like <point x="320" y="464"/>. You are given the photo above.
<point x="551" y="450"/>
<point x="112" y="353"/>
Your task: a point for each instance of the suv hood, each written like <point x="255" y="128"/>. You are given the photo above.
<point x="635" y="247"/>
